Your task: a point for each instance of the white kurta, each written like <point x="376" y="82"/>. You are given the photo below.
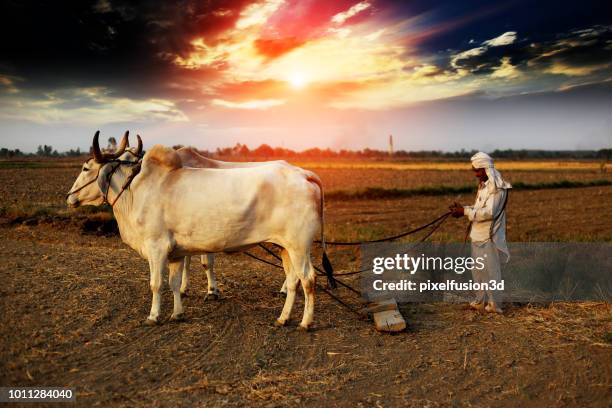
<point x="489" y="203"/>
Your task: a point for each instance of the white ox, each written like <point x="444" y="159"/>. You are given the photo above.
<point x="162" y="212"/>
<point x="191" y="158"/>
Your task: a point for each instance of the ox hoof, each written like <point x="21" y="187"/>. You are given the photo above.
<point x="282" y="294"/>
<point x="303" y="328"/>
<point x="280" y="323"/>
<point x="177" y="317"/>
<point x="151" y="322"/>
<point x="185" y="294"/>
<point x="211" y="296"/>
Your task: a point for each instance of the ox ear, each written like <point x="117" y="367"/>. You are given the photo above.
<point x="103" y="182"/>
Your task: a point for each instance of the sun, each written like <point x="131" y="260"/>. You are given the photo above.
<point x="297" y="80"/>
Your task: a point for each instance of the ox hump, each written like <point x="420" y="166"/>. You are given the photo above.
<point x="164" y="157"/>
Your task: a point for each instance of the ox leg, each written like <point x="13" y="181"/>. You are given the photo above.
<point x="176" y="268"/>
<point x="158" y="264"/>
<point x="209" y="264"/>
<point x="308" y="284"/>
<point x="291" y="283"/>
<point x="283" y="289"/>
<point x="185" y="280"/>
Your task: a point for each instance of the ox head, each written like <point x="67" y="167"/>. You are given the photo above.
<point x="88" y="187"/>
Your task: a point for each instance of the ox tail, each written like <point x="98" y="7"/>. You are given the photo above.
<point x="327" y="266"/>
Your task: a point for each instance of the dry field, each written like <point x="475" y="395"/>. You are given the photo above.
<point x="73" y="304"/>
<point x="44" y="183"/>
<point x="353" y="179"/>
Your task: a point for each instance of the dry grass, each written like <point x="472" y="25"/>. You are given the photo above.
<point x="571" y="322"/>
<point x="73" y="306"/>
<point x="73" y="316"/>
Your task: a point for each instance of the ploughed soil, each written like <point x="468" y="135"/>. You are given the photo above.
<point x="74" y="298"/>
<point x="73" y="306"/>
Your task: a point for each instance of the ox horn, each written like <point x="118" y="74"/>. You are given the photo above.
<point x="139" y="148"/>
<point x="122" y="146"/>
<point x="98" y="156"/>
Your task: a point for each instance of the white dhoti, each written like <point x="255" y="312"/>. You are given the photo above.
<point x="490" y="274"/>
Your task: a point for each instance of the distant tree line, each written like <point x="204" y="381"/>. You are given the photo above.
<point x="41" y="151"/>
<point x="553" y="154"/>
<point x="265" y="151"/>
<point x="6" y="153"/>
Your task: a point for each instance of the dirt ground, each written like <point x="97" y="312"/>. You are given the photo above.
<point x="73" y="306"/>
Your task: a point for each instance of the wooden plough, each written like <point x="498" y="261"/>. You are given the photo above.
<point x="386" y="315"/>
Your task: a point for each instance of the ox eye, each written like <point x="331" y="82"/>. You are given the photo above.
<point x="85" y="169"/>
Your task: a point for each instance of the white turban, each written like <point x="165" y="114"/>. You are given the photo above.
<point x="483" y="161"/>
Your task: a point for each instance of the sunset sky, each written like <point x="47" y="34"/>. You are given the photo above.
<point x="439" y="75"/>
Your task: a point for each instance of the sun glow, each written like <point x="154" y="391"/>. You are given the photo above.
<point x="297" y="80"/>
<point x="350" y="65"/>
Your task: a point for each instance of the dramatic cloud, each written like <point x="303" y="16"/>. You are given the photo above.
<point x="505" y="70"/>
<point x="483" y="59"/>
<point x="111" y="61"/>
<point x="340" y="18"/>
<point x="87" y="106"/>
<point x="504" y="39"/>
<point x="8" y="84"/>
<point x="254" y="104"/>
<point x="579" y="53"/>
<point x="273" y="48"/>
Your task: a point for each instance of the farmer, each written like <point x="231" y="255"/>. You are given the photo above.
<point x="487" y="229"/>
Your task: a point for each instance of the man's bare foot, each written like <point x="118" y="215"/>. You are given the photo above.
<point x="492" y="307"/>
<point x="478" y="306"/>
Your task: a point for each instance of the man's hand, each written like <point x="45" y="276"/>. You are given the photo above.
<point x="456" y="210"/>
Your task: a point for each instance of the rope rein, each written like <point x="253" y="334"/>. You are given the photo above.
<point x="135" y="171"/>
<point x="85" y="185"/>
<point x="325" y="290"/>
<point x="394" y="237"/>
<point x="436" y="225"/>
<point x="110" y="175"/>
<point x="137" y="165"/>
